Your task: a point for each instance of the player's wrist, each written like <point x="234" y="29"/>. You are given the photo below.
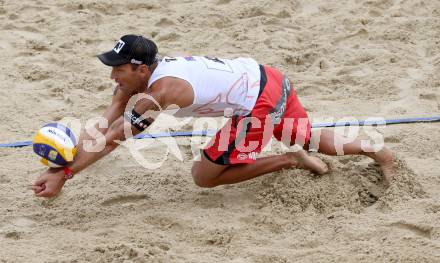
<point x="68" y="173"/>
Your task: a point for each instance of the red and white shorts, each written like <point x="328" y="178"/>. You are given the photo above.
<point x="277" y="112"/>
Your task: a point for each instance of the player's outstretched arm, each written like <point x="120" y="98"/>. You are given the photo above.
<point x="111" y="114"/>
<point x="50" y="182"/>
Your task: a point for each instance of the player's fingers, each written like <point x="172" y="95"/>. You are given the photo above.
<point x="45" y="193"/>
<point x="39" y="181"/>
<point x="38" y="188"/>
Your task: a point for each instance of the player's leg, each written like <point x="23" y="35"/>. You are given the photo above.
<point x="330" y="141"/>
<point x="226" y="162"/>
<point x="209" y="174"/>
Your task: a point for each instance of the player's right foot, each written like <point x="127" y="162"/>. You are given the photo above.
<point x="385" y="160"/>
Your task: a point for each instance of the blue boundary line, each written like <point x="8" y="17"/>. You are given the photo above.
<point x="212" y="132"/>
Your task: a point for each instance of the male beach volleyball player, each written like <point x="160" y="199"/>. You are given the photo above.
<point x="259" y="98"/>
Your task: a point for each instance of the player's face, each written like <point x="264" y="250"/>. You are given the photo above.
<point x="128" y="79"/>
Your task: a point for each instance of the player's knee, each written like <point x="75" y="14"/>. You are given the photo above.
<point x="201" y="182"/>
<point x="201" y="179"/>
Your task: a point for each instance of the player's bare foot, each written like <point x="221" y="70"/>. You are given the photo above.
<point x="302" y="160"/>
<point x="385" y="160"/>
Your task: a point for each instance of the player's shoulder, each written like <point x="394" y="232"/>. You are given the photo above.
<point x="171" y="90"/>
<point x="168" y="82"/>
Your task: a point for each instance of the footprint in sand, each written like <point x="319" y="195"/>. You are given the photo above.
<point x="172" y="36"/>
<point x="223" y="2"/>
<point x="360" y="35"/>
<point x="17" y="226"/>
<point x="377" y="8"/>
<point x="71" y="7"/>
<point x="417" y="229"/>
<point x="163" y="22"/>
<point x="165" y="222"/>
<point x="209" y="200"/>
<point x="38" y="45"/>
<point x="303" y="61"/>
<point x="312" y="90"/>
<point x="428" y="96"/>
<point x="393" y="139"/>
<point x="34" y="9"/>
<point x="124" y="199"/>
<point x="23" y="222"/>
<point x="13" y="235"/>
<point x="252" y="12"/>
<point x="13" y="16"/>
<point x="35" y="74"/>
<point x="140" y="6"/>
<point x="119" y="250"/>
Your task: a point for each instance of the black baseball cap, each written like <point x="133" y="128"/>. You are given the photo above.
<point x="132" y="49"/>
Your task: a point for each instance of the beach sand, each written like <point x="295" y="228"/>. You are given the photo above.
<point x="357" y="59"/>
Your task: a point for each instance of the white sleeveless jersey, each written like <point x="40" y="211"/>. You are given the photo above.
<point x="220" y="85"/>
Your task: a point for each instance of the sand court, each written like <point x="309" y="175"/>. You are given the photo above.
<point x="356" y="59"/>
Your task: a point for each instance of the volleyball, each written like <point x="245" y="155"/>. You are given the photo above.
<point x="55" y="144"/>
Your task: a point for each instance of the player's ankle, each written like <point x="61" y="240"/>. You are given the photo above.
<point x="290" y="161"/>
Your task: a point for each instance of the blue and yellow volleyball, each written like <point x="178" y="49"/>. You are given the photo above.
<point x="55" y="144"/>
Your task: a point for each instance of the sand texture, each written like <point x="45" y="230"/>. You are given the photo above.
<point x="377" y="58"/>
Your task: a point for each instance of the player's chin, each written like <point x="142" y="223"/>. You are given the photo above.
<point x="123" y="88"/>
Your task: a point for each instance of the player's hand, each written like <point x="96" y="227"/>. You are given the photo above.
<point x="49" y="183"/>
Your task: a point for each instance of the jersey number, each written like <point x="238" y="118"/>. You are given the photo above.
<point x="216" y="63"/>
<point x="211" y="63"/>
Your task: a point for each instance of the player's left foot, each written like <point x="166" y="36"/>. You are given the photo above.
<point x="302" y="160"/>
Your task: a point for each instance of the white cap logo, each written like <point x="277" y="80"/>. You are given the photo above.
<point x="119" y="45"/>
